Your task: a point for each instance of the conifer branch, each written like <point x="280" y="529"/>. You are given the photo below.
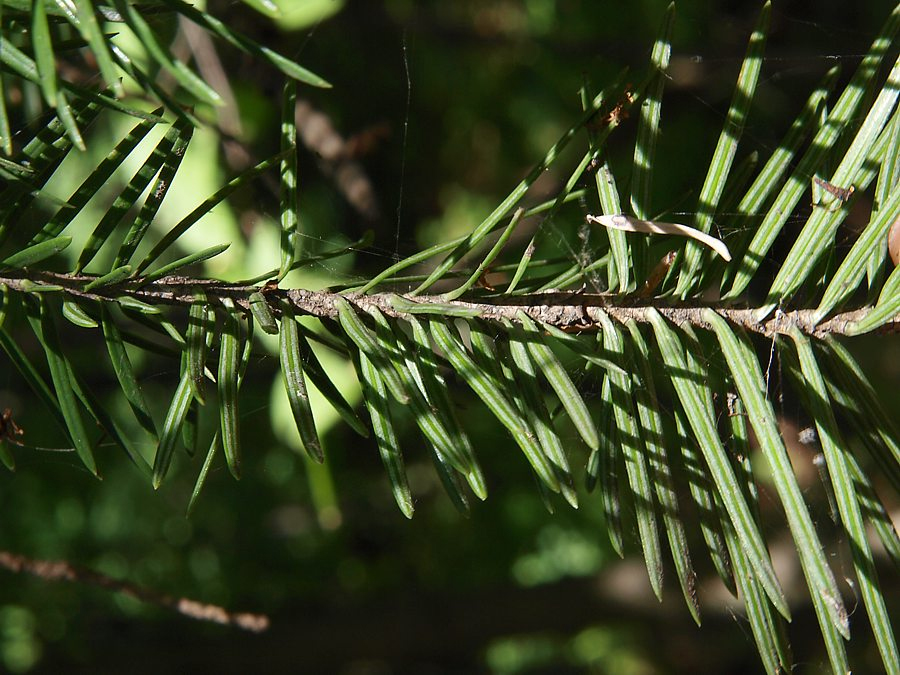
<point x="572" y="311"/>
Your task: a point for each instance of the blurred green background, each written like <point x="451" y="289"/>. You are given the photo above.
<point x="445" y="106"/>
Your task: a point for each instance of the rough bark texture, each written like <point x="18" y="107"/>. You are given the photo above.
<point x="568" y="310"/>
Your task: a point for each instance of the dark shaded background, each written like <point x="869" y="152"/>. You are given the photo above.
<point x="450" y="103"/>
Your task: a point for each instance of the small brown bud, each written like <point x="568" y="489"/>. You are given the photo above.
<point x="894" y="242"/>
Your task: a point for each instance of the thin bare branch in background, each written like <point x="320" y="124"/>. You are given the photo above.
<point x="336" y="156"/>
<point x="60" y="570"/>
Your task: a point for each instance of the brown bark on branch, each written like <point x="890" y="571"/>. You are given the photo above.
<point x="568" y="310"/>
